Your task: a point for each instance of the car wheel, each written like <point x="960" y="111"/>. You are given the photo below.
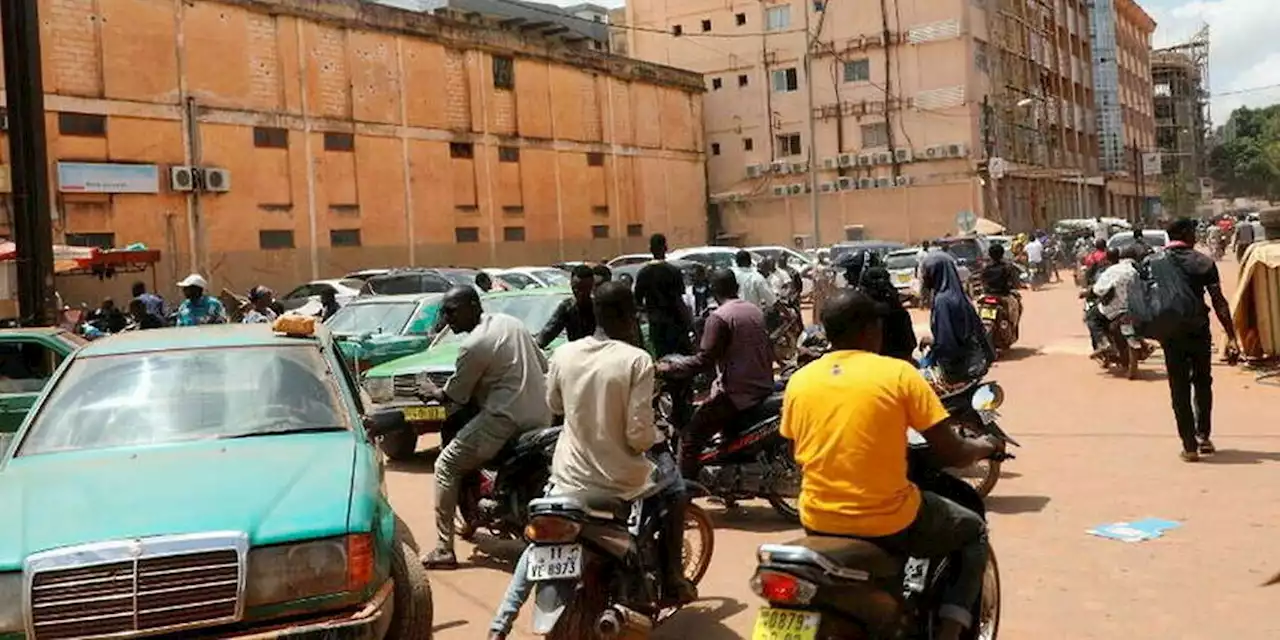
<point x="399" y="445"/>
<point x="412" y="608"/>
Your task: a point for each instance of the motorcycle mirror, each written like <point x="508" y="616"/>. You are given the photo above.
<point x="988" y="397"/>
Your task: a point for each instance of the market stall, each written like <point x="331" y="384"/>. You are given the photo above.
<point x="74" y="261"/>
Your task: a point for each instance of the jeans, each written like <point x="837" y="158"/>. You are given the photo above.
<point x="940" y="529"/>
<point x="477" y="443"/>
<point x="1188" y="362"/>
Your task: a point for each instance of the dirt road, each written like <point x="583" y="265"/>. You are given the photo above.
<point x="1097" y="449"/>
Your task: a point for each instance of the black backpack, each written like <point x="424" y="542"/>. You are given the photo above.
<point x="1162" y="303"/>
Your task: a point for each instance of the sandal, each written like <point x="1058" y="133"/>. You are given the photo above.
<point x="1207" y="448"/>
<point x="1190" y="456"/>
<point x="440" y="560"/>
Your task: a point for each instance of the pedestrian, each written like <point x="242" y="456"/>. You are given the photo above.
<point x="140" y="317"/>
<point x="753" y="286"/>
<point x="1245" y="235"/>
<point x="328" y="303"/>
<point x="659" y="293"/>
<point x="1101" y="231"/>
<point x="153" y="303"/>
<point x="1188" y="346"/>
<point x="601" y="273"/>
<point x="574" y="316"/>
<point x="484" y="282"/>
<point x="197" y="308"/>
<point x="260" y="311"/>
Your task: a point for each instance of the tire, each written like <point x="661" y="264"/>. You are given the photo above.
<point x="983" y="480"/>
<point x="412" y="613"/>
<point x="989" y="603"/>
<point x="695" y="567"/>
<point x="785" y="506"/>
<point x="578" y="622"/>
<point x="400" y="445"/>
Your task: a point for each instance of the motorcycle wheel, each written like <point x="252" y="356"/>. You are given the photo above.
<point x="988" y="618"/>
<point x="788" y="508"/>
<point x="579" y="618"/>
<point x="981" y="475"/>
<point x="696" y="558"/>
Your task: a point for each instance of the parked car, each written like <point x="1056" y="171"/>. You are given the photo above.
<point x="801" y="261"/>
<point x="394" y="384"/>
<point x="204" y="483"/>
<point x="629" y="259"/>
<point x="364" y="274"/>
<point x="419" y="280"/>
<point x="902" y="267"/>
<point x="713" y="257"/>
<point x="969" y="251"/>
<point x="628" y="273"/>
<point x="377" y="329"/>
<point x="28" y="359"/>
<point x="878" y="247"/>
<point x="518" y="278"/>
<point x="1155" y="238"/>
<point x="344" y="289"/>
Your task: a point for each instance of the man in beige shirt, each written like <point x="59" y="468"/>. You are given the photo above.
<point x="603" y="386"/>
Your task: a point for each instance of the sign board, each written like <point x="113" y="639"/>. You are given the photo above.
<point x="101" y="177"/>
<point x="1151" y="164"/>
<point x="996" y="168"/>
<point x="966" y="221"/>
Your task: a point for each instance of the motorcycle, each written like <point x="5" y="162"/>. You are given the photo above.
<point x="1001" y="330"/>
<point x="973" y="419"/>
<point x="829" y="588"/>
<point x="1126" y="349"/>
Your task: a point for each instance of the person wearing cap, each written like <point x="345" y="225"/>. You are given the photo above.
<point x="198" y="308"/>
<point x="260" y="311"/>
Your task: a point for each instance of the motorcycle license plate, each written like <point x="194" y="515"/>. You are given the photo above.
<point x="786" y="624"/>
<point x="424" y="414"/>
<point x="554" y="562"/>
<point x="988" y="313"/>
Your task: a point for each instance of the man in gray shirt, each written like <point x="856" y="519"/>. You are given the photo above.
<point x="503" y="372"/>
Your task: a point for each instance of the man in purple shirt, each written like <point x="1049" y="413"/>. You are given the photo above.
<point x="735" y="342"/>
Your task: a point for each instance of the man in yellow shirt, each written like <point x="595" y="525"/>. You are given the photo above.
<point x="848" y="414"/>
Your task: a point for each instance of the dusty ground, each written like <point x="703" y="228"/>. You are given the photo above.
<point x="1096" y="449"/>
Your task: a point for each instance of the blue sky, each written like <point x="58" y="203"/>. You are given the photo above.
<point x="1244" y="49"/>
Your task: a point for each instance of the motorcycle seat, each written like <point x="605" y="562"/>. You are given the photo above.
<point x="769" y="409"/>
<point x="593" y="504"/>
<point x="850" y="553"/>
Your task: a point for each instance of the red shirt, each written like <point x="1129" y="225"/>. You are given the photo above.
<point x="1097" y="256"/>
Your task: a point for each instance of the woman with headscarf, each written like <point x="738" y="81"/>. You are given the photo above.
<point x="866" y="272"/>
<point x="960" y="350"/>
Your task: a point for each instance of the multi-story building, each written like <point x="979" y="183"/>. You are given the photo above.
<point x="583" y="25"/>
<point x="336" y="134"/>
<point x="1121" y="34"/>
<point x="1180" y="78"/>
<point x="907" y="101"/>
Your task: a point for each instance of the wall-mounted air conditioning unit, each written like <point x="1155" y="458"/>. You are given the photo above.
<point x="795" y="189"/>
<point x="182" y="179"/>
<point x="935" y="152"/>
<point x="866" y="183"/>
<point x="799" y="167"/>
<point x="848" y="160"/>
<point x="215" y="180"/>
<point x="903" y="155"/>
<point x="831" y="164"/>
<point x="957" y="151"/>
<point x="779" y="190"/>
<point x="884" y="157"/>
<point x="780" y="167"/>
<point x="826" y="187"/>
<point x="882" y="183"/>
<point x="904" y="181"/>
<point x="865" y="159"/>
<point x="755" y="170"/>
<point x="846" y="184"/>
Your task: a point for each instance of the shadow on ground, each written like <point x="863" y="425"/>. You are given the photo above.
<point x="1010" y="505"/>
<point x="703" y="619"/>
<point x="753" y="518"/>
<point x="1240" y="456"/>
<point x="423" y="461"/>
<point x="1015" y="354"/>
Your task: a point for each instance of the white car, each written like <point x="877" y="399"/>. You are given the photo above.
<point x="903" y="267"/>
<point x="345" y="289"/>
<point x="712" y="257"/>
<point x="628" y="259"/>
<point x="1156" y="239"/>
<point x="797" y="260"/>
<point x="519" y="278"/>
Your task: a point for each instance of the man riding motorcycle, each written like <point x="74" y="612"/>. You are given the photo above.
<point x="1112" y="290"/>
<point x="1002" y="279"/>
<point x="848" y="414"/>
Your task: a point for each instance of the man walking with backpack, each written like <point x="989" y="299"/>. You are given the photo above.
<point x="1174" y="313"/>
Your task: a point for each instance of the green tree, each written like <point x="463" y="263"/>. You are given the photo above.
<point x="1248" y="165"/>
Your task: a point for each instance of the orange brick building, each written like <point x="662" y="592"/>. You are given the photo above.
<point x="354" y="135"/>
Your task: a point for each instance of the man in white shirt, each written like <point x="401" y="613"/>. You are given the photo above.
<point x="1112" y="289"/>
<point x="1035" y="259"/>
<point x="603" y="386"/>
<point x="752" y="285"/>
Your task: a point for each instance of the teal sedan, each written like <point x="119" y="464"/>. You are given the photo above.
<point x="203" y="482"/>
<point x="371" y="330"/>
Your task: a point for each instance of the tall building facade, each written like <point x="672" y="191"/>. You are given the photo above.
<point x="1121" y="34"/>
<point x="908" y="102"/>
<point x="336" y="134"/>
<point x="1180" y="76"/>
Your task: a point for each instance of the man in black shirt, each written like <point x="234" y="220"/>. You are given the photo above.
<point x="575" y="316"/>
<point x="1002" y="279"/>
<point x="1141" y="248"/>
<point x="1188" y="353"/>
<point x="660" y="294"/>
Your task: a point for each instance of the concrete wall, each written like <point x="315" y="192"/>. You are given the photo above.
<point x="186" y="82"/>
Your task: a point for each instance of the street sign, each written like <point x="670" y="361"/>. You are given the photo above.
<point x="966" y="221"/>
<point x="996" y="167"/>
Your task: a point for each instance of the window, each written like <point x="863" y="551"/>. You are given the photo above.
<point x="270" y="138"/>
<point x="875" y="135"/>
<point x="504" y="72"/>
<point x="466" y="234"/>
<point x="334" y="141"/>
<point x="513" y="234"/>
<point x="743" y="80"/>
<point x="777" y="18"/>
<point x="740" y="18"/>
<point x="461" y="150"/>
<point x="785" y="80"/>
<point x="344" y="237"/>
<point x="748" y="144"/>
<point x="789" y="145"/>
<point x="715" y="148"/>
<point x="600" y="210"/>
<point x="595" y="159"/>
<point x="275" y="239"/>
<point x="26" y="367"/>
<point x="635" y="230"/>
<point x="512" y="210"/>
<point x="344" y="209"/>
<point x="508" y="154"/>
<point x="677" y="30"/>
<point x="857" y="70"/>
<point x="97" y="240"/>
<point x="600" y="231"/>
<point x="706" y="26"/>
<point x="716" y="83"/>
<point x="82" y="124"/>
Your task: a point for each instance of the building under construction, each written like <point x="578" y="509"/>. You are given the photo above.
<point x="1181" y="83"/>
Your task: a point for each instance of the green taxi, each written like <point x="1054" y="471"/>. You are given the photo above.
<point x="204" y="482"/>
<point x="28" y="358"/>
<point x="371" y="330"/>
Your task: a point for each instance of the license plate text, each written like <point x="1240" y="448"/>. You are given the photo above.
<point x="554" y="562"/>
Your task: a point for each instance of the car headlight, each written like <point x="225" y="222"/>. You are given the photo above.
<point x="290" y="572"/>
<point x="380" y="389"/>
<point x="11" y="603"/>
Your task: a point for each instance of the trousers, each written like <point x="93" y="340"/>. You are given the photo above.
<point x="474" y="445"/>
<point x="1188" y="363"/>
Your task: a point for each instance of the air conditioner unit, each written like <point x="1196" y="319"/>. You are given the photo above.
<point x="182" y="179"/>
<point x="215" y="180"/>
<point x="795" y="189"/>
<point x="865" y="159"/>
<point x="876" y="40"/>
<point x="866" y="183"/>
<point x="902" y="155"/>
<point x="830" y="163"/>
<point x="884" y="157"/>
<point x="846" y="184"/>
<point x="780" y="167"/>
<point x="935" y="152"/>
<point x="799" y="167"/>
<point x="779" y="190"/>
<point x="957" y="151"/>
<point x="882" y="183"/>
<point x="848" y="160"/>
<point x="826" y="187"/>
<point x="755" y="170"/>
<point x="904" y="181"/>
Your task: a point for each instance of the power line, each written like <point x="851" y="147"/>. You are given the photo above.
<point x="569" y="16"/>
<point x="1236" y="92"/>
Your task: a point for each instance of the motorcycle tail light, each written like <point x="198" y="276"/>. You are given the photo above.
<point x="551" y="529"/>
<point x="782" y="588"/>
<point x="990" y="300"/>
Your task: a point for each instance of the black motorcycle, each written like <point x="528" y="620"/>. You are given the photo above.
<point x="829" y="588"/>
<point x="974" y="413"/>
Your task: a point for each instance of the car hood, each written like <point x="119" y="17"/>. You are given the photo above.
<point x="274" y="488"/>
<point x="438" y="358"/>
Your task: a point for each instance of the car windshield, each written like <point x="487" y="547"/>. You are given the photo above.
<point x="532" y="310"/>
<point x="403" y="283"/>
<point x="517" y="280"/>
<point x="553" y="277"/>
<point x="460" y="278"/>
<point x="161" y="397"/>
<point x="351" y="283"/>
<point x="964" y="250"/>
<point x="1154" y="239"/>
<point x="878" y="249"/>
<point x="373" y="317"/>
<point x="901" y="261"/>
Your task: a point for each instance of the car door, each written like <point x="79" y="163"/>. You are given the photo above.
<point x="26" y="365"/>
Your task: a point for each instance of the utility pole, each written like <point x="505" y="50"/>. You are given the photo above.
<point x="813" y="128"/>
<point x="989" y="146"/>
<point x="32" y="228"/>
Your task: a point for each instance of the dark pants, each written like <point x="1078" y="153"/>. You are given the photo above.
<point x="1188" y="362"/>
<point x="671" y="337"/>
<point x="1098" y="325"/>
<point x="714" y="414"/>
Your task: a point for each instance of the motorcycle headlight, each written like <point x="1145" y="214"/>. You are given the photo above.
<point x="380" y="389"/>
<point x="11" y="603"/>
<point x="988" y="397"/>
<point x="290" y="572"/>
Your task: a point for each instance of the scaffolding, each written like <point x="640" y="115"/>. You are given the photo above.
<point x="1180" y="74"/>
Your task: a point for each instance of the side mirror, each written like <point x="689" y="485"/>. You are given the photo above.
<point x="384" y="421"/>
<point x="6" y="440"/>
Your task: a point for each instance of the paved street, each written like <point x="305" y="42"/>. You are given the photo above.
<point x="1097" y="449"/>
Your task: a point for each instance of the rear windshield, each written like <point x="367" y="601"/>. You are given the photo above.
<point x="381" y="317"/>
<point x="390" y="285"/>
<point x="902" y="261"/>
<point x="965" y="251"/>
